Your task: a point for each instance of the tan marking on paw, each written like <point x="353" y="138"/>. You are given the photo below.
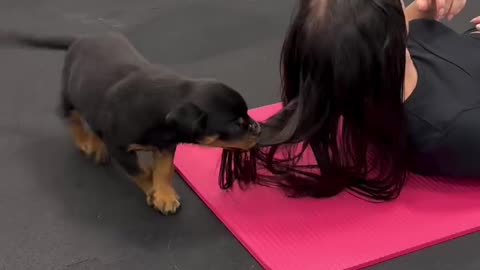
<point x="166" y="201"/>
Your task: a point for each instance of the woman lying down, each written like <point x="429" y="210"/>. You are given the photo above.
<point x="372" y="97"/>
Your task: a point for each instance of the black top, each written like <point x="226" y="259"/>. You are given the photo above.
<point x="444" y="110"/>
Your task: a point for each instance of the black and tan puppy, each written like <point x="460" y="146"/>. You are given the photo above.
<point x="117" y="103"/>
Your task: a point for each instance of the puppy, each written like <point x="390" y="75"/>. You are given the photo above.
<point x="116" y="103"/>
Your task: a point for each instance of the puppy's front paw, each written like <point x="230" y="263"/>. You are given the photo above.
<point x="166" y="200"/>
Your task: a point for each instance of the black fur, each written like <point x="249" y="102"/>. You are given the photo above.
<point x="127" y="100"/>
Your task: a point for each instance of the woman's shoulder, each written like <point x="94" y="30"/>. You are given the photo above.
<point x="432" y="32"/>
<point x="441" y="46"/>
<point x="428" y="24"/>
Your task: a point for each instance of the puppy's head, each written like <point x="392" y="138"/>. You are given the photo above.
<point x="215" y="115"/>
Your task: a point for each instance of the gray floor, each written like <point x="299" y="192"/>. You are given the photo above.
<point x="60" y="212"/>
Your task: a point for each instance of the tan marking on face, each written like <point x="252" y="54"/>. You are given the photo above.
<point x="243" y="144"/>
<point x="208" y="140"/>
<point x="140" y="148"/>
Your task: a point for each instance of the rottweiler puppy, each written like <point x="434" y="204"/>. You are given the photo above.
<point x="117" y="103"/>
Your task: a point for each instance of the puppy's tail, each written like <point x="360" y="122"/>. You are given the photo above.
<point x="13" y="38"/>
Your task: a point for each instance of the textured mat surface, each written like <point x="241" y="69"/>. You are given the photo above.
<point x="339" y="233"/>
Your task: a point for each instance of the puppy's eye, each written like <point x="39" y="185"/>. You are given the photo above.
<point x="240" y="122"/>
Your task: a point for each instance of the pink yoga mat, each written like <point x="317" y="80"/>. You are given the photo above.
<point x="339" y="233"/>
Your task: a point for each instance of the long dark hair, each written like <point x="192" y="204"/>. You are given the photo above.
<point x="342" y="67"/>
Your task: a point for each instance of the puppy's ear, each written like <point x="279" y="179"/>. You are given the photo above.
<point x="188" y="118"/>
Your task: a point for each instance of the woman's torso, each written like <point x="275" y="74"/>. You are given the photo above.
<point x="444" y="109"/>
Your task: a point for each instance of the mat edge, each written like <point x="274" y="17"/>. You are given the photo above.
<point x="226" y="224"/>
<point x="415" y="249"/>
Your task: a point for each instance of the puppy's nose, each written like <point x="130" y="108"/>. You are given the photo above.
<point x="255" y="128"/>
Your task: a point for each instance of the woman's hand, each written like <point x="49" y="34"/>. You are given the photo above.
<point x="476" y="22"/>
<point x="444" y="8"/>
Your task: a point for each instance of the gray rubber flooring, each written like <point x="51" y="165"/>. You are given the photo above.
<point x="57" y="211"/>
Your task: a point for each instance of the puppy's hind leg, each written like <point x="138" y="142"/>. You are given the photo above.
<point x="97" y="149"/>
<point x="85" y="140"/>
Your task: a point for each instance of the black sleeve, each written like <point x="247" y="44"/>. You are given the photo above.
<point x="432" y="32"/>
<point x="463" y="50"/>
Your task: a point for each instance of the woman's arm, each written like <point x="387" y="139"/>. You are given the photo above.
<point x="413" y="12"/>
<point x="434" y="9"/>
